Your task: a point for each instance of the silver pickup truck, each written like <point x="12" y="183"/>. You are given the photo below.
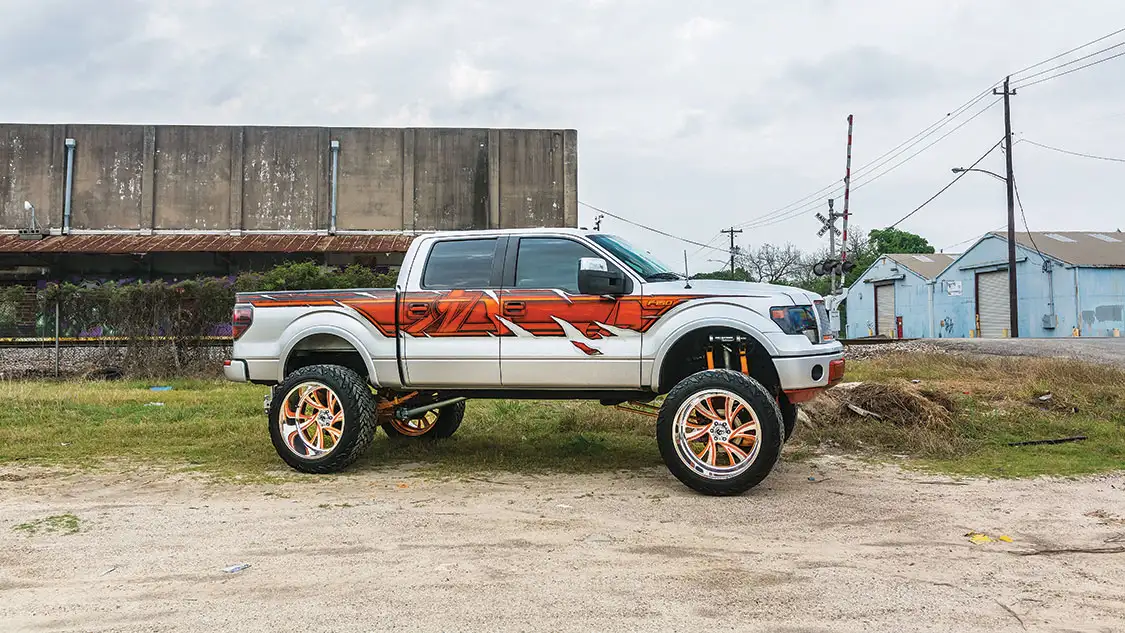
<point x="542" y="314"/>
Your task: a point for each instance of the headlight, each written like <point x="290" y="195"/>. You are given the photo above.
<point x="796" y="320"/>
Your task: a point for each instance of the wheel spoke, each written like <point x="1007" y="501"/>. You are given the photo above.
<point x="698" y="434"/>
<point x="733" y="451"/>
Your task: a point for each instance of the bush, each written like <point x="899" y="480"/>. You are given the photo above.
<point x="165" y="325"/>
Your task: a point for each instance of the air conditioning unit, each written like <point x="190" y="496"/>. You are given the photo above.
<point x="1050" y="321"/>
<point x="33" y="234"/>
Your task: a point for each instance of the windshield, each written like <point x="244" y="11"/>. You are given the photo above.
<point x="641" y="263"/>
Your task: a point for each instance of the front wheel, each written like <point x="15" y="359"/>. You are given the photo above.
<point x="720" y="432"/>
<point x="437" y="424"/>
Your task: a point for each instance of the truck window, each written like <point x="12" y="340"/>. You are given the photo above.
<point x="460" y="264"/>
<point x="549" y="262"/>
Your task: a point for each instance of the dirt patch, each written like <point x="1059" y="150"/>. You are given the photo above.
<point x="628" y="552"/>
<point x="891" y="403"/>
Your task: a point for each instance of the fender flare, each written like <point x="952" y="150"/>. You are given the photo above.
<point x="333" y="330"/>
<point x="691" y="326"/>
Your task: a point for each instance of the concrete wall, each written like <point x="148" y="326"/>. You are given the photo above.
<point x="232" y="179"/>
<point x="912" y="301"/>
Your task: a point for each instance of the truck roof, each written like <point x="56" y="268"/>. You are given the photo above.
<point x="554" y="230"/>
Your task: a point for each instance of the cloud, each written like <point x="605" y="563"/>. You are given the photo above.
<point x="698" y="28"/>
<point x="690" y="116"/>
<point x="468" y="81"/>
<point x="865" y="72"/>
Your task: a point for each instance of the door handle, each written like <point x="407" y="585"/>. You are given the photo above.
<point x="418" y="310"/>
<point x="515" y="308"/>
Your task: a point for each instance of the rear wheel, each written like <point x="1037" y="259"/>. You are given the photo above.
<point x="720" y="432"/>
<point x="437" y="424"/>
<point x="323" y="418"/>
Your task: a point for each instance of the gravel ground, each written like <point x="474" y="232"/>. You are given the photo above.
<point x="858" y="548"/>
<point x="1110" y="351"/>
<point x="35" y="362"/>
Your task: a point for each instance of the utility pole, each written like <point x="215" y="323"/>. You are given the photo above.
<point x="733" y="231"/>
<point x="1013" y="304"/>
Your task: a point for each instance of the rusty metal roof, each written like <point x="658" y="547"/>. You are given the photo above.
<point x="253" y="243"/>
<point x="1095" y="249"/>
<point x="928" y="265"/>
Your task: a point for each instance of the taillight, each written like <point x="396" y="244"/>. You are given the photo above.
<point x="240" y="321"/>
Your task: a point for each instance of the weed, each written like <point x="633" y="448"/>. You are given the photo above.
<point x="58" y="524"/>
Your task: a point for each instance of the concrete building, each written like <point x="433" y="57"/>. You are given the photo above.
<point x="894" y="297"/>
<point x="1068" y="282"/>
<point x="175" y="201"/>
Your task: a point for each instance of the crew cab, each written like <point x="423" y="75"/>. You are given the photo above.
<point x="539" y="314"/>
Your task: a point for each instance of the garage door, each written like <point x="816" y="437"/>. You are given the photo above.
<point x="885" y="310"/>
<point x="992" y="304"/>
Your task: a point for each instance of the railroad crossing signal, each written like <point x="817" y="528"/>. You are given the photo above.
<point x="829" y="225"/>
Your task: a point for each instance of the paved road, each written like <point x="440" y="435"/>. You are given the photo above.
<point x="1110" y="351"/>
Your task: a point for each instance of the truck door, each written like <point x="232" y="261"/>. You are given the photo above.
<point x="448" y="328"/>
<point x="554" y="337"/>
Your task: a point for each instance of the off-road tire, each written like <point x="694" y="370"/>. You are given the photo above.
<point x="359" y="418"/>
<point x="770" y="436"/>
<point x="788" y="415"/>
<point x="448" y="420"/>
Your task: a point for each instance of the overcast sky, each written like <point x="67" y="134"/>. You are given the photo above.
<point x="691" y="116"/>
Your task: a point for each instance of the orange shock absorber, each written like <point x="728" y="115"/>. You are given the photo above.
<point x="710" y="357"/>
<point x="742" y="358"/>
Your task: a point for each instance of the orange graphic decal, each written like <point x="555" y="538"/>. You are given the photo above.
<point x="456" y="313"/>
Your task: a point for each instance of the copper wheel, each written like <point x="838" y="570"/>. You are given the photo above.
<point x="311" y="420"/>
<point x="416" y="427"/>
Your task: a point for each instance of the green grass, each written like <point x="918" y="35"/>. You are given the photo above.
<point x="994" y="402"/>
<point x="219" y="427"/>
<point x="58" y="524"/>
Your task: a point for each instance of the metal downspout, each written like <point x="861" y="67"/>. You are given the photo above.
<point x="69" y="193"/>
<point x="335" y="145"/>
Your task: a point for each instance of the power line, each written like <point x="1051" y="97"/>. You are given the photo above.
<point x="812" y="200"/>
<point x="1073" y="61"/>
<point x="878" y="162"/>
<point x="1072" y="70"/>
<point x="1023" y="215"/>
<point x="1063" y="151"/>
<point x="870" y="178"/>
<point x="1064" y="54"/>
<point x="943" y="189"/>
<point x="649" y="228"/>
<point x="810" y="207"/>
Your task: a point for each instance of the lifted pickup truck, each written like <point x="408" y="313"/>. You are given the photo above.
<point x="541" y="314"/>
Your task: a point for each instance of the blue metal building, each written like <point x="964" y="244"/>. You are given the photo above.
<point x="897" y="287"/>
<point x="1068" y="283"/>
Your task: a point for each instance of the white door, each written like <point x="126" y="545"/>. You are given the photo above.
<point x="557" y="337"/>
<point x="885" y="311"/>
<point x="992" y="304"/>
<point x="448" y="328"/>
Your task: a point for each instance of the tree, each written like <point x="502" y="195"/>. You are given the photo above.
<point x="892" y="240"/>
<point x="772" y="264"/>
<point x="725" y="274"/>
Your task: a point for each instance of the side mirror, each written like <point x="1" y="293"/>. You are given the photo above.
<point x="595" y="278"/>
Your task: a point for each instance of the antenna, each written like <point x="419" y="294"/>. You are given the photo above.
<point x="687" y="275"/>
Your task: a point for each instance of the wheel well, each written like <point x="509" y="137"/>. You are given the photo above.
<point x="325" y="349"/>
<point x="688" y="356"/>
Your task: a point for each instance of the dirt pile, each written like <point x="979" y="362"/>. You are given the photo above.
<point x="900" y="405"/>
